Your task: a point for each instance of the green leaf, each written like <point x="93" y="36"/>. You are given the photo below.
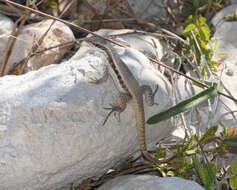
<point x="201" y="21"/>
<point x="209" y="134"/>
<point x="77" y="22"/>
<point x="213" y="168"/>
<point x="209" y="181"/>
<point x="51" y="3"/>
<point x="160" y="153"/>
<point x="71" y="186"/>
<point x="230" y="141"/>
<point x="190" y="143"/>
<point x="188" y="29"/>
<point x="179" y="151"/>
<point x="233" y="182"/>
<point x="200" y="169"/>
<point x="203" y="45"/>
<point x="188" y="20"/>
<point x="190" y="152"/>
<point x="205" y="33"/>
<point x="170" y="173"/>
<point x="224" y="132"/>
<point x="231" y="17"/>
<point x="128" y="161"/>
<point x="205" y="174"/>
<point x="184" y="105"/>
<point x="196" y="4"/>
<point x="234" y="167"/>
<point x="209" y="187"/>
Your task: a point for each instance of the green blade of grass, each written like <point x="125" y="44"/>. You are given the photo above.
<point x="184" y="105"/>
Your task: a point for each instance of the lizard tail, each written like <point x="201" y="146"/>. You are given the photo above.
<point x="148" y="157"/>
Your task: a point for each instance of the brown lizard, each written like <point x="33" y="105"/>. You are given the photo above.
<point x="129" y="90"/>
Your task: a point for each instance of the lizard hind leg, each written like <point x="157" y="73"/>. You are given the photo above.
<point x="118" y="107"/>
<point x="149" y="95"/>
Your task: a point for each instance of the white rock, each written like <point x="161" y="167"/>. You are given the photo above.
<point x="141" y="182"/>
<point x="51" y="122"/>
<point x="6" y="26"/>
<point x="30" y="34"/>
<point x="226" y="37"/>
<point x="147" y="44"/>
<point x="152" y="10"/>
<point x="218" y="19"/>
<point x="227" y="54"/>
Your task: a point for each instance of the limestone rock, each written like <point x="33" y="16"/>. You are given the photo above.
<point x="227" y="54"/>
<point x="29" y="36"/>
<point x="140" y="182"/>
<point x="51" y="121"/>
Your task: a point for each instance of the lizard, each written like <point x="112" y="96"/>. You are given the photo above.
<point x="129" y="89"/>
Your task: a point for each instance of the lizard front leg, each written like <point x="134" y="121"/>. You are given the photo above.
<point x="122" y="98"/>
<point x="119" y="106"/>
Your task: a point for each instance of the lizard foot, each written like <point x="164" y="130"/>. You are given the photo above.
<point x="149" y="95"/>
<point x="113" y="109"/>
<point x="119" y="107"/>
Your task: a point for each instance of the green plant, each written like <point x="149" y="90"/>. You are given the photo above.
<point x="232" y="172"/>
<point x="189" y="155"/>
<point x="230" y="178"/>
<point x="232" y="17"/>
<point x="207" y="173"/>
<point x="228" y="136"/>
<point x="197" y="32"/>
<point x="195" y="7"/>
